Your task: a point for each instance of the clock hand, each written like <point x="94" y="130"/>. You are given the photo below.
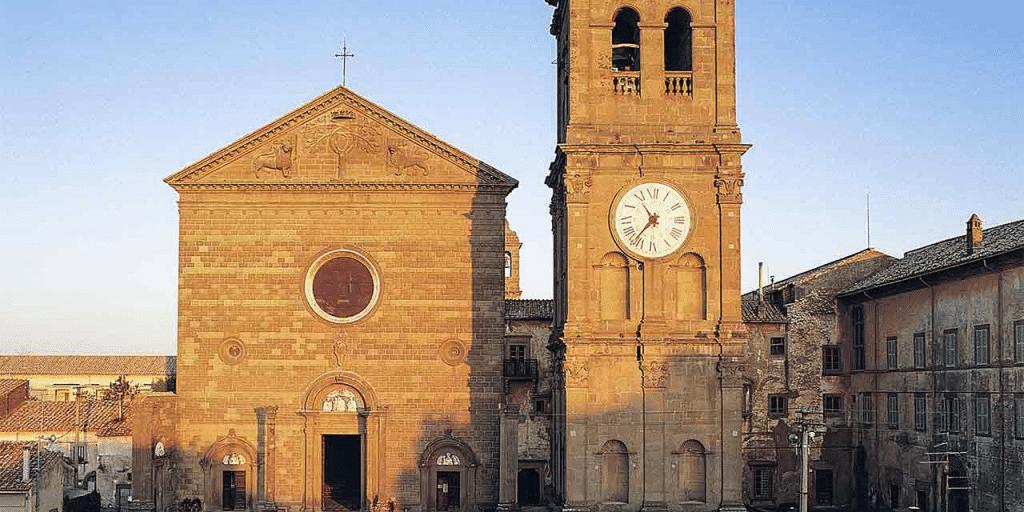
<point x="651" y="221"/>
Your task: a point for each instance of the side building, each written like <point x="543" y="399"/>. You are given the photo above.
<point x="794" y="382"/>
<point x="936" y="346"/>
<point x="32" y="479"/>
<point x="93" y="436"/>
<point x="528" y="392"/>
<point x="64" y="377"/>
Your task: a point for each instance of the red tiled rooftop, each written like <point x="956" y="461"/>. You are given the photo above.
<point x="36" y="416"/>
<point x="86" y="365"/>
<point x="11" y="457"/>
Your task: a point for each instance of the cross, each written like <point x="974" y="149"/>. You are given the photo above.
<point x="344" y="61"/>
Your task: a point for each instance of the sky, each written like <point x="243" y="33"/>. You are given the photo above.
<point x="915" y="104"/>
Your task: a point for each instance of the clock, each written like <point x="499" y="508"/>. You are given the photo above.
<point x="651" y="220"/>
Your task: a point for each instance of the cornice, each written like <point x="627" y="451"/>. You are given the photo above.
<point x="361" y="187"/>
<point x="655" y="148"/>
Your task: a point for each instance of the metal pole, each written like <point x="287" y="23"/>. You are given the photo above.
<point x="804" y="469"/>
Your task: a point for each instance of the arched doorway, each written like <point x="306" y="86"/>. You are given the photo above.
<point x="229" y="467"/>
<point x="343" y="465"/>
<point x="529" y="487"/>
<point x="448" y="476"/>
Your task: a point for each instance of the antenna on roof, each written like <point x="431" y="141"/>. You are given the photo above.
<point x="869" y="217"/>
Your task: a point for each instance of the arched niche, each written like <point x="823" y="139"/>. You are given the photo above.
<point x="448" y="469"/>
<point x="229" y="474"/>
<point x="614" y="472"/>
<point x="614" y="286"/>
<point x="691" y="287"/>
<point x="343" y="423"/>
<point x="692" y="466"/>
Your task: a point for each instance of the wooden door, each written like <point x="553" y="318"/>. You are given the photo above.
<point x="233" y="496"/>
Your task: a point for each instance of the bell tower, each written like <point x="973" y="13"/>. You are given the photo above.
<point x="648" y="333"/>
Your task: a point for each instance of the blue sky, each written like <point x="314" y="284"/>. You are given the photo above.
<point x="917" y="103"/>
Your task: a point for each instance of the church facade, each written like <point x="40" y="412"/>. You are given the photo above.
<point x="340" y="338"/>
<point x="343" y="336"/>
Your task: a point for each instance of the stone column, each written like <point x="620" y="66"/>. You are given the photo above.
<point x="732" y="437"/>
<point x="508" y="485"/>
<point x="265" y="439"/>
<point x="655" y="380"/>
<point x="143" y="439"/>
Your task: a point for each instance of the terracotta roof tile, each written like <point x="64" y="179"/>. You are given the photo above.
<point x="756" y="311"/>
<point x="8" y="385"/>
<point x="86" y="365"/>
<point x="11" y="457"/>
<point x="35" y="416"/>
<point x="946" y="254"/>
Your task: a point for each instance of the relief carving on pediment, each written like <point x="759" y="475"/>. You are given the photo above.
<point x="405" y="159"/>
<point x="280" y="156"/>
<point x="357" y="136"/>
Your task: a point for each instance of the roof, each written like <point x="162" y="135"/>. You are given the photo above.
<point x="45" y="416"/>
<point x="762" y="312"/>
<point x="11" y="457"/>
<point x="817" y="285"/>
<point x="946" y="254"/>
<point x="808" y="275"/>
<point x="8" y="385"/>
<point x="86" y="365"/>
<point x="529" y="309"/>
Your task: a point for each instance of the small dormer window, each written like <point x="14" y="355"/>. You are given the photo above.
<point x="626" y="41"/>
<point x="678" y="41"/>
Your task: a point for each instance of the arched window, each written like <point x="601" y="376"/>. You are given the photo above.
<point x="508" y="264"/>
<point x="678" y="41"/>
<point x="693" y="471"/>
<point x="614" y="277"/>
<point x="626" y="41"/>
<point x="615" y="472"/>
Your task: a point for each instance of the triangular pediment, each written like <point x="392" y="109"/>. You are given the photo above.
<point x="340" y="140"/>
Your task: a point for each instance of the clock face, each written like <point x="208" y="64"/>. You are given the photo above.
<point x="651" y="220"/>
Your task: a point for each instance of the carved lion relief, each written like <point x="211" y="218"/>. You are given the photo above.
<point x="404" y="160"/>
<point x="279" y="156"/>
